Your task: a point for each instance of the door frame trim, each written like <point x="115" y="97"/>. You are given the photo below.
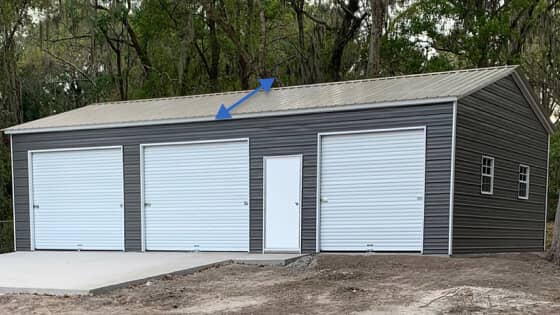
<point x="349" y="132"/>
<point x="142" y="147"/>
<point x="30" y="187"/>
<point x="264" y="159"/>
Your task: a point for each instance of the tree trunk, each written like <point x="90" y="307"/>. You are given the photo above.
<point x="297" y="6"/>
<point x="378" y="16"/>
<point x="554" y="252"/>
<point x="262" y="46"/>
<point x="245" y="59"/>
<point x="344" y="34"/>
<point x="214" y="56"/>
<point x="140" y="51"/>
<point x="120" y="78"/>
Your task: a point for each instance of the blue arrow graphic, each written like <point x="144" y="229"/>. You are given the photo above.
<point x="224" y="112"/>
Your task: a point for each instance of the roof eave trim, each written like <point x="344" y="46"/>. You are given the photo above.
<point x="426" y="101"/>
<point x="528" y="93"/>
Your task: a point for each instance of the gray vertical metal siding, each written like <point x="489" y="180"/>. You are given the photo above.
<point x="132" y="197"/>
<point x="295" y="134"/>
<point x="497" y="121"/>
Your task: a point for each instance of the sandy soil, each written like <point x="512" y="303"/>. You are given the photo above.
<point x="332" y="284"/>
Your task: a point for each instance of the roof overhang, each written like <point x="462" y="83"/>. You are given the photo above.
<point x="426" y="101"/>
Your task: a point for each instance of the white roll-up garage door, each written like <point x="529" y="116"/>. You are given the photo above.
<point x="197" y="196"/>
<point x="372" y="191"/>
<point x="77" y="198"/>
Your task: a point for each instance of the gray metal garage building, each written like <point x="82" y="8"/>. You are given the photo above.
<point x="440" y="163"/>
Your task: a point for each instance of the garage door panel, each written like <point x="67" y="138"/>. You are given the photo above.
<point x="198" y="196"/>
<point x="79" y="195"/>
<point x="372" y="191"/>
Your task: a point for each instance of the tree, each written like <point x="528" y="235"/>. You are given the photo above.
<point x="346" y="30"/>
<point x="379" y="12"/>
<point x="554" y="193"/>
<point x="13" y="16"/>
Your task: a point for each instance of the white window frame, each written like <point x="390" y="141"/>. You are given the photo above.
<point x="491" y="175"/>
<point x="526" y="182"/>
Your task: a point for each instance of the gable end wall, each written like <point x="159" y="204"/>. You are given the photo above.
<point x="499" y="122"/>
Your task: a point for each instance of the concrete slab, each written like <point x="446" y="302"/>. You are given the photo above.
<point x="59" y="273"/>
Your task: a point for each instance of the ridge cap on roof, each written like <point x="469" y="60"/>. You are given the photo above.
<point x="415" y="75"/>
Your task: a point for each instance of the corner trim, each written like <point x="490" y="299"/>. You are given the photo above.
<point x="452" y="179"/>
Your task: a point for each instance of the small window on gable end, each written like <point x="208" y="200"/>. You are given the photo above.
<point x="487" y="175"/>
<point x="524" y="173"/>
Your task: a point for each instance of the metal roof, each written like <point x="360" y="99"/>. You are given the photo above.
<point x="408" y="89"/>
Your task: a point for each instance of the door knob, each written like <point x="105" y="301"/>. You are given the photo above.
<point x="297" y="203"/>
<point x="147" y="204"/>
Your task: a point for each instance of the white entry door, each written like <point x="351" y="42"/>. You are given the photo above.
<point x="77" y="199"/>
<point x="196" y="196"/>
<point x="282" y="193"/>
<point x="372" y="191"/>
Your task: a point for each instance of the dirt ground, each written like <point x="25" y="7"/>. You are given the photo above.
<point x="331" y="284"/>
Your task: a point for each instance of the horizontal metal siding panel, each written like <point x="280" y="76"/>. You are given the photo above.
<point x="472" y="245"/>
<point x="497" y="121"/>
<point x="78" y="197"/>
<point x="372" y="191"/>
<point x="197" y="196"/>
<point x="296" y="134"/>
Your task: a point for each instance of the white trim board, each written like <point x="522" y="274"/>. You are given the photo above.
<point x="30" y="201"/>
<point x="452" y="179"/>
